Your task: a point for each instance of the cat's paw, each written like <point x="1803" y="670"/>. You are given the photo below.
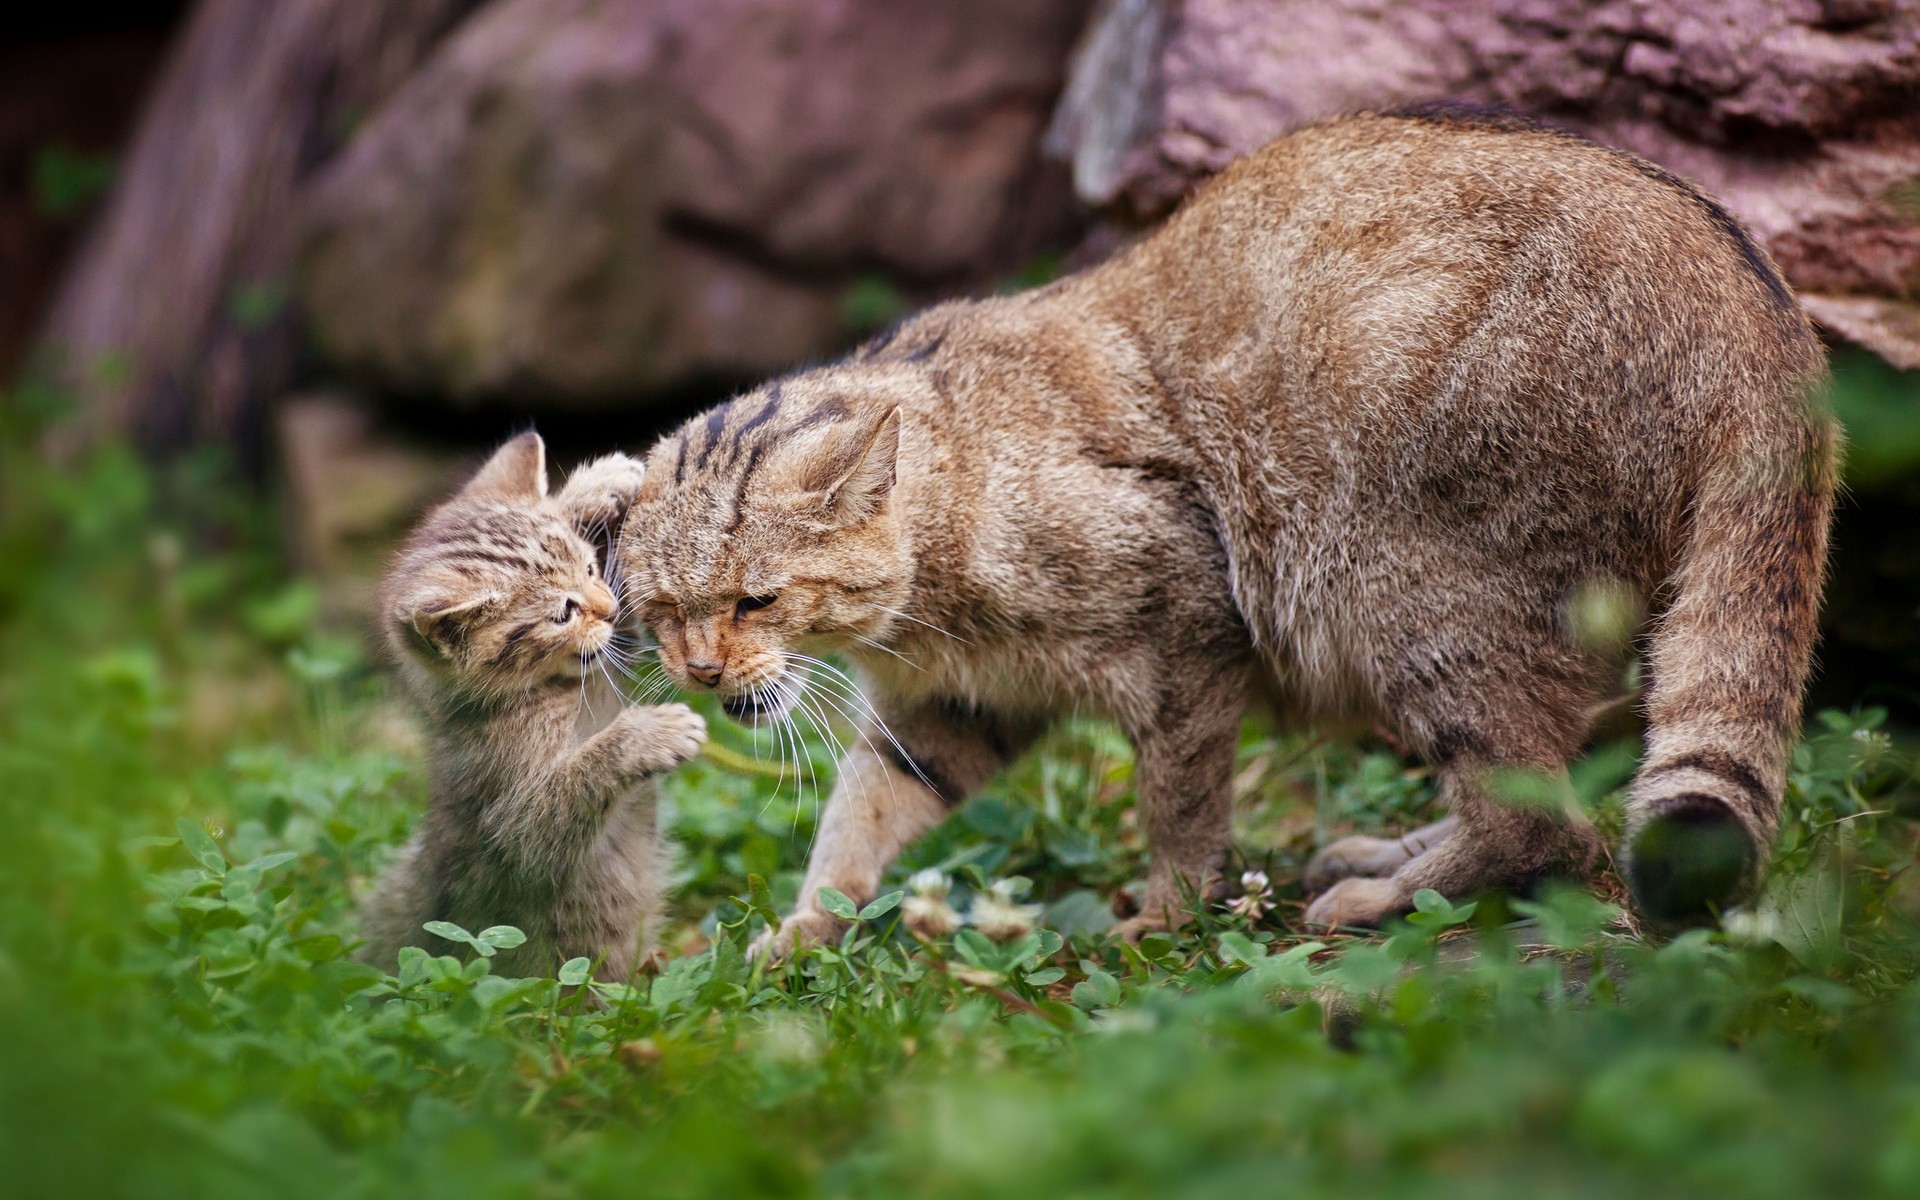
<point x="1359" y="855"/>
<point x="808" y="927"/>
<point x="1358" y="902"/>
<point x="600" y="492"/>
<point x="659" y="737"/>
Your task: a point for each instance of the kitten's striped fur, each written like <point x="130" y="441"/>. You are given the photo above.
<point x="1357" y="425"/>
<point x="542" y="814"/>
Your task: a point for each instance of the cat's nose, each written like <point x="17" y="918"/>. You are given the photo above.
<point x="705" y="673"/>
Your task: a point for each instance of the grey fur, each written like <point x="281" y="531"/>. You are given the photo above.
<point x="543" y="810"/>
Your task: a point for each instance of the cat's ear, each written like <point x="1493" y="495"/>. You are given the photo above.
<point x="517" y="472"/>
<point x="442" y="626"/>
<point x="859" y="490"/>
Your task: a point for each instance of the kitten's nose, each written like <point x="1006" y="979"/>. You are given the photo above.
<point x="706" y="673"/>
<point x="600" y="601"/>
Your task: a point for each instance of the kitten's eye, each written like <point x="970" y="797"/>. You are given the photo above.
<point x="750" y="603"/>
<point x="569" y="612"/>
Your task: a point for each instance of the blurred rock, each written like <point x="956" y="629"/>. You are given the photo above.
<point x="170" y="324"/>
<point x="353" y="488"/>
<point x="1797" y="113"/>
<point x="576" y="200"/>
<point x="66" y="101"/>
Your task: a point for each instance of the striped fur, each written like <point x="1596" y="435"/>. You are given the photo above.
<point x="1359" y="426"/>
<point x="542" y="813"/>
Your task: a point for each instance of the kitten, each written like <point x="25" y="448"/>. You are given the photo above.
<point x="1358" y="428"/>
<point x="542" y="815"/>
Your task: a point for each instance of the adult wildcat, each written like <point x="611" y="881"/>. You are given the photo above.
<point x="1358" y="424"/>
<point x="542" y="816"/>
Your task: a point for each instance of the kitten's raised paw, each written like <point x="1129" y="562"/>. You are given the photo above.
<point x="662" y="736"/>
<point x="809" y="927"/>
<point x="600" y="492"/>
<point x="1357" y="902"/>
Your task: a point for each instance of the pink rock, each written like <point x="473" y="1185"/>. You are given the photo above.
<point x="578" y="200"/>
<point x="1796" y="113"/>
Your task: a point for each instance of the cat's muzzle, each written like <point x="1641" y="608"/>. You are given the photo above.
<point x="749" y="706"/>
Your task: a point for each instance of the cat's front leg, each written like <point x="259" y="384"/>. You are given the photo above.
<point x="924" y="766"/>
<point x="598" y="494"/>
<point x="1183" y="781"/>
<point x="876" y="808"/>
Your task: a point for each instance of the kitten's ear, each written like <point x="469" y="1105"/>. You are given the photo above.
<point x="443" y="625"/>
<point x="517" y="472"/>
<point x="860" y="489"/>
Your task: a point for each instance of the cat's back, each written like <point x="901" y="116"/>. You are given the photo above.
<point x="1382" y="300"/>
<point x="1377" y="246"/>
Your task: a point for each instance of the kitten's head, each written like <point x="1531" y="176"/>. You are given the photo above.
<point x="495" y="592"/>
<point x="769" y="528"/>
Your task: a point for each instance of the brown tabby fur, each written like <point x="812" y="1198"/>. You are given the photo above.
<point x="1355" y="428"/>
<point x="494" y="615"/>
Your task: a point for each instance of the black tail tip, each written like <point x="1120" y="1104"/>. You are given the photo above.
<point x="1690" y="861"/>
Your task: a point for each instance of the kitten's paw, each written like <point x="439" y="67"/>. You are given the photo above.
<point x="600" y="492"/>
<point x="808" y="927"/>
<point x="1359" y="855"/>
<point x="1358" y="902"/>
<point x="659" y="737"/>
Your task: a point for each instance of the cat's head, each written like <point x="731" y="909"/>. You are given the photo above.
<point x="767" y="529"/>
<point x="495" y="591"/>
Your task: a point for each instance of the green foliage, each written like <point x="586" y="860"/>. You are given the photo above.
<point x="870" y="305"/>
<point x="67" y="180"/>
<point x="254" y="306"/>
<point x="1875" y="403"/>
<point x="195" y="782"/>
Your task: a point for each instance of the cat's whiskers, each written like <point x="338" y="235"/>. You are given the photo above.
<point x="758" y="697"/>
<point x="789" y="695"/>
<point x="886" y="649"/>
<point x="907" y="616"/>
<point x="653" y="686"/>
<point x="655" y="691"/>
<point x="816" y="703"/>
<point x="852" y="696"/>
<point x="601" y="663"/>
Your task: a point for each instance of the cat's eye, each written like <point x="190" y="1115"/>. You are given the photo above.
<point x="750" y="603"/>
<point x="569" y="612"/>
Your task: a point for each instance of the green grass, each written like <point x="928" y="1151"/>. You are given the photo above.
<point x="193" y="782"/>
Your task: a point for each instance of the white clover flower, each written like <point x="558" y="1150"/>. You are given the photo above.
<point x="931" y="883"/>
<point x="929" y="917"/>
<point x="973" y="976"/>
<point x="1752" y="926"/>
<point x="1256" y="896"/>
<point x="998" y="914"/>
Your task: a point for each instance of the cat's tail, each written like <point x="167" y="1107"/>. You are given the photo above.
<point x="1728" y="658"/>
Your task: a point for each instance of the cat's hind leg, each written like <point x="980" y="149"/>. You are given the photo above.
<point x="1373" y="857"/>
<point x="1493" y="846"/>
<point x="1498" y="703"/>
